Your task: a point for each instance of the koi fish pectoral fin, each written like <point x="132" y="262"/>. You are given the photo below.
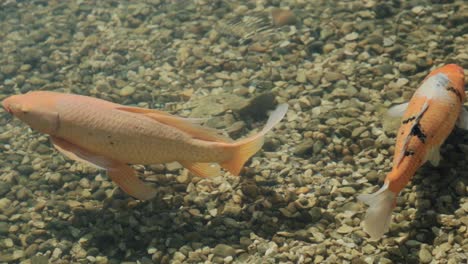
<point x="126" y="178"/>
<point x="462" y="121"/>
<point x="79" y="154"/>
<point x="433" y="156"/>
<point x="122" y="174"/>
<point x="397" y="110"/>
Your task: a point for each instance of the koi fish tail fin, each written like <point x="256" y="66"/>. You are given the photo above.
<point x="246" y="148"/>
<point x="379" y="213"/>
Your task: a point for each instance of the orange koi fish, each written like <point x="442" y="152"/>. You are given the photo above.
<point x="428" y="119"/>
<point x="111" y="136"/>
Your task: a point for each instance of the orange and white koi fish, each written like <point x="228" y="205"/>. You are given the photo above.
<point x="428" y="119"/>
<point x="110" y="136"/>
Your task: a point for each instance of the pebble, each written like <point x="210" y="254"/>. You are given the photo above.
<point x="425" y="256"/>
<point x="25" y="169"/>
<point x="344" y="229"/>
<point x="358" y="131"/>
<point x="22" y="194"/>
<point x="417" y="9"/>
<point x="55" y="178"/>
<point x="224" y="250"/>
<point x="301" y="76"/>
<point x="351" y="36"/>
<point x="4" y="204"/>
<point x="43" y="149"/>
<point x="179" y="257"/>
<point x="347" y="190"/>
<point x="406" y="67"/>
<point x="173" y="166"/>
<point x="283" y="17"/>
<point x="304" y="147"/>
<point x="333" y="76"/>
<point x="4" y="228"/>
<point x="295" y="200"/>
<point x="39" y="260"/>
<point x="127" y="91"/>
<point x="4" y="188"/>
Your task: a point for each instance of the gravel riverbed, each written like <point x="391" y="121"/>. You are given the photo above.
<point x="338" y="64"/>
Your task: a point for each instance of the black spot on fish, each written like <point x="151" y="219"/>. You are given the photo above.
<point x="417" y="131"/>
<point x="112" y="143"/>
<point x="456" y="92"/>
<point x="409" y="153"/>
<point x="409" y="119"/>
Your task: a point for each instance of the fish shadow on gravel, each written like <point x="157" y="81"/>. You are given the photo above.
<point x="124" y="227"/>
<point x="437" y="197"/>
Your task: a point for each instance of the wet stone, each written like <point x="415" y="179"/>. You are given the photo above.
<point x="43" y="149"/>
<point x="425" y="256"/>
<point x="406" y="67"/>
<point x="358" y="131"/>
<point x="22" y="194"/>
<point x="282" y="17"/>
<point x="25" y="169"/>
<point x="367" y="142"/>
<point x="4" y="204"/>
<point x="224" y="250"/>
<point x="383" y="10"/>
<point x="304" y="148"/>
<point x="55" y="178"/>
<point x="127" y="91"/>
<point x="333" y="76"/>
<point x="347" y="190"/>
<point x="4" y="188"/>
<point x="31" y="250"/>
<point x="4" y="227"/>
<point x="372" y="176"/>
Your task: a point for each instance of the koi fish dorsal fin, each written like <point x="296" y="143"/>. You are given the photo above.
<point x="187" y="125"/>
<point x="397" y="110"/>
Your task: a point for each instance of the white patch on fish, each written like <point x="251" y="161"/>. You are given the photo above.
<point x="435" y="87"/>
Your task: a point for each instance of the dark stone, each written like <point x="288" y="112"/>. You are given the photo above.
<point x="315" y="47"/>
<point x="99" y="195"/>
<point x="25" y="169"/>
<point x="4" y="188"/>
<point x="4" y="227"/>
<point x="259" y="106"/>
<point x="39" y="260"/>
<point x="383" y="10"/>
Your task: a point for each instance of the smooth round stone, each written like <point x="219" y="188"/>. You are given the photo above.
<point x="224" y="250"/>
<point x="127" y="91"/>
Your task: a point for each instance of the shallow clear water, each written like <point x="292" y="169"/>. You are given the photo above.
<point x="337" y="64"/>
